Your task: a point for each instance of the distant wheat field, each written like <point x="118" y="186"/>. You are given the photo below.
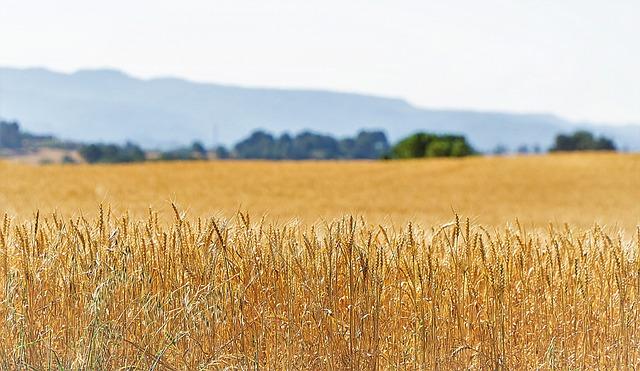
<point x="580" y="189"/>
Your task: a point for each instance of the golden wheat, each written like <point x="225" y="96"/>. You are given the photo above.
<point x="119" y="292"/>
<point x="580" y="189"/>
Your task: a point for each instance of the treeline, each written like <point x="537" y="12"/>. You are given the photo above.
<point x="582" y="140"/>
<point x="112" y="153"/>
<point x="308" y="145"/>
<point x="431" y="145"/>
<point x="130" y="152"/>
<point x="12" y="138"/>
<point x="259" y="145"/>
<point x="313" y="146"/>
<point x="365" y="145"/>
<point x="303" y="146"/>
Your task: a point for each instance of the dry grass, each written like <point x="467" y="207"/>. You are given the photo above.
<point x="117" y="292"/>
<point x="579" y="189"/>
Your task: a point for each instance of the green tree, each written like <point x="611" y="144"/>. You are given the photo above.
<point x="582" y="140"/>
<point x="111" y="153"/>
<point x="366" y="145"/>
<point x="460" y="148"/>
<point x="413" y="146"/>
<point x="221" y="153"/>
<point x="198" y="149"/>
<point x="91" y="153"/>
<point x="430" y="145"/>
<point x="439" y="148"/>
<point x="10" y="135"/>
<point x="260" y="145"/>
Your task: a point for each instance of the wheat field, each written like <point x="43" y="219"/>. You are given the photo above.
<point x="363" y="265"/>
<point x="579" y="189"/>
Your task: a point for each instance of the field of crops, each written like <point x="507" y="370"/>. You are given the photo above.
<point x="578" y="189"/>
<point x="403" y="283"/>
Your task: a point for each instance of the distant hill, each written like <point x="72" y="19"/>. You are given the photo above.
<point x="108" y="105"/>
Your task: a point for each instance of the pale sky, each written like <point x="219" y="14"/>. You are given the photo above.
<point x="576" y="58"/>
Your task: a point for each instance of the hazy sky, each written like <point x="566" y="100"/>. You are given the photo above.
<point x="576" y="58"/>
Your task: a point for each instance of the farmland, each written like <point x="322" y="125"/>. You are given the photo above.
<point x="524" y="262"/>
<point x="578" y="189"/>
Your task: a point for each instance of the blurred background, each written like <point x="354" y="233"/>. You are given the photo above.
<point x="181" y="91"/>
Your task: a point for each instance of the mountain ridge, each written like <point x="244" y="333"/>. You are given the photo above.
<point x="111" y="105"/>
